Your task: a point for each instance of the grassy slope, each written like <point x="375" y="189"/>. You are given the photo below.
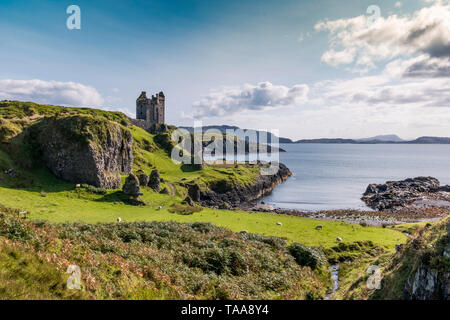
<point x="147" y="261"/>
<point x="48" y="198"/>
<point x="57" y="201"/>
<point x="428" y="240"/>
<point x="425" y="247"/>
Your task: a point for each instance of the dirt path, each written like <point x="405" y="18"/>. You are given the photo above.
<point x="172" y="189"/>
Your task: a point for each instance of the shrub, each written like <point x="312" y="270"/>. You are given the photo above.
<point x="184" y="209"/>
<point x="92" y="189"/>
<point x="307" y="257"/>
<point x="12" y="228"/>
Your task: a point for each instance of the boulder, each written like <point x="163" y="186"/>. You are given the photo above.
<point x="154" y="180"/>
<point x="194" y="192"/>
<point x="164" y="191"/>
<point x="85" y="149"/>
<point x="143" y="178"/>
<point x="131" y="186"/>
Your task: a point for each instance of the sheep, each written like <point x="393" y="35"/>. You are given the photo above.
<point x="279" y="224"/>
<point x="319" y="227"/>
<point x="338" y="239"/>
<point x="119" y="219"/>
<point x="23" y="214"/>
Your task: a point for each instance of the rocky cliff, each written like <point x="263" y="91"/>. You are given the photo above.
<point x="420" y="270"/>
<point x="224" y="194"/>
<point x="84" y="149"/>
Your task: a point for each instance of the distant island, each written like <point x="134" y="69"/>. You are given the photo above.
<point x="381" y="139"/>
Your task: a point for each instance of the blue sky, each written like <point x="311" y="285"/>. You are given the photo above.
<point x="189" y="48"/>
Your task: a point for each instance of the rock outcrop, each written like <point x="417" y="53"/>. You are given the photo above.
<point x="143" y="178"/>
<point x="84" y="149"/>
<point x="154" y="180"/>
<point x="418" y="192"/>
<point x="221" y="192"/>
<point x="428" y="283"/>
<point x="419" y="270"/>
<point x="131" y="186"/>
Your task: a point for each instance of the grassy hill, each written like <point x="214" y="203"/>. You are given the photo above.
<point x="75" y="216"/>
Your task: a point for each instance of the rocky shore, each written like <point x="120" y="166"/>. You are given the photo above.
<point x="226" y="196"/>
<point x="416" y="193"/>
<point x="395" y="202"/>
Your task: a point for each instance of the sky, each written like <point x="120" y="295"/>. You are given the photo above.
<point x="309" y="69"/>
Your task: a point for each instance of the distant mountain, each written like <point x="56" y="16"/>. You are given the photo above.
<point x="382" y="138"/>
<point x="388" y="139"/>
<point x="327" y="140"/>
<point x="431" y="140"/>
<point x="224" y="128"/>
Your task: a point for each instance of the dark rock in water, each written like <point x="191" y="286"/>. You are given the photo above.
<point x="189" y="201"/>
<point x="222" y="191"/>
<point x="398" y="194"/>
<point x="131" y="186"/>
<point x="143" y="178"/>
<point x="164" y="191"/>
<point x="154" y="180"/>
<point x="84" y="149"/>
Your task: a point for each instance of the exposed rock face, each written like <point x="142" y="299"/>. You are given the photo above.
<point x="220" y="193"/>
<point x="155" y="180"/>
<point x="428" y="284"/>
<point x="421" y="191"/>
<point x="131" y="186"/>
<point x="82" y="149"/>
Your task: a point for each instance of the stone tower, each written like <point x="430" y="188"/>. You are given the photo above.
<point x="152" y="111"/>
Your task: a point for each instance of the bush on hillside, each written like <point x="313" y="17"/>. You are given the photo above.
<point x="307" y="257"/>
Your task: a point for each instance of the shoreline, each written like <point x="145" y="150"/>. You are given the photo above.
<point x="371" y="218"/>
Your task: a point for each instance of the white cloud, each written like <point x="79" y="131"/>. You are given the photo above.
<point x="410" y="96"/>
<point x="230" y="100"/>
<point x="50" y="92"/>
<point x="357" y="40"/>
<point x="398" y="4"/>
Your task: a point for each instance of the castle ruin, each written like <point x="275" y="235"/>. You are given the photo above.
<point x="150" y="112"/>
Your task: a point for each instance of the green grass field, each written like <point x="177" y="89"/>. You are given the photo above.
<point x="70" y="206"/>
<point x="46" y="197"/>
